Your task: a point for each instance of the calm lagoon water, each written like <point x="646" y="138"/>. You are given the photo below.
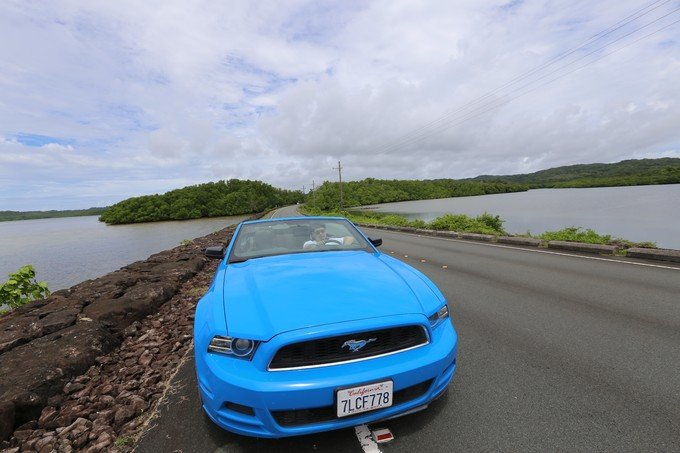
<point x="66" y="251"/>
<point x="637" y="213"/>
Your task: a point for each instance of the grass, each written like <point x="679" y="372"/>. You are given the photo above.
<point x="198" y="291"/>
<point x="123" y="441"/>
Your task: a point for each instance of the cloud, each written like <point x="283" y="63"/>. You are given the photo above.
<point x="134" y="97"/>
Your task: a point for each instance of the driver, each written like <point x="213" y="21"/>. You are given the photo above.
<point x="318" y="238"/>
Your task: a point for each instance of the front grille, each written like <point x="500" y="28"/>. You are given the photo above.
<point x="330" y="350"/>
<point x="326" y="413"/>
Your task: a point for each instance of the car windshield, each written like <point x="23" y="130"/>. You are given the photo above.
<point x="279" y="237"/>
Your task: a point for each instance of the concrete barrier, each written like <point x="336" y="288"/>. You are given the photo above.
<point x="644" y="253"/>
<point x="583" y="247"/>
<point x="655" y="254"/>
<point x="517" y="240"/>
<point x="478" y="237"/>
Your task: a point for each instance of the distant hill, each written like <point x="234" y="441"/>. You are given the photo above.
<point x="28" y="215"/>
<point x="625" y="173"/>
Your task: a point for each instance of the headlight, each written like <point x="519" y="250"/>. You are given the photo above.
<point x="440" y="316"/>
<point x="239" y="347"/>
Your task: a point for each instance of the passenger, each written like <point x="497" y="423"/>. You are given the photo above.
<point x="318" y="238"/>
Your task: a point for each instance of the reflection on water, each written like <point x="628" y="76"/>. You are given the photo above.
<point x="638" y="213"/>
<point x="66" y="251"/>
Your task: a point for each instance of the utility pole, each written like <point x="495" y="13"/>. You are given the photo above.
<point x="339" y="168"/>
<point x="313" y="193"/>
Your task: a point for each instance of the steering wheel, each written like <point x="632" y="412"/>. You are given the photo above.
<point x="332" y="242"/>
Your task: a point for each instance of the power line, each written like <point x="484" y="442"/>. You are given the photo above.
<point x="426" y="129"/>
<point x="488" y="107"/>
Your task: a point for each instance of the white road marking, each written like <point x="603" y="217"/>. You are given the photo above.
<point x="549" y="252"/>
<point x="366" y="440"/>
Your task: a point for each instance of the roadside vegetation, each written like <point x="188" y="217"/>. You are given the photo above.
<point x="578" y="234"/>
<point x="21" y="288"/>
<point x="484" y="224"/>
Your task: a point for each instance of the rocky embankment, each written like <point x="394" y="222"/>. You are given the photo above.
<point x="83" y="369"/>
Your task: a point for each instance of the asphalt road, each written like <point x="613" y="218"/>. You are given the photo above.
<point x="557" y="352"/>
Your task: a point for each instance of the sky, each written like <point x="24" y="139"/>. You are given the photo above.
<point x="102" y="100"/>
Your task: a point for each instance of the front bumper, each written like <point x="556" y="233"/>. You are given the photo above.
<point x="243" y="397"/>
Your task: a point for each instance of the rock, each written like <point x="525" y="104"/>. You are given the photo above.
<point x="107" y="400"/>
<point x="105" y="389"/>
<point x="82" y="379"/>
<point x="85" y="391"/>
<point x="135" y="304"/>
<point x="132" y="385"/>
<point x="18" y="331"/>
<point x="64" y="447"/>
<point x="27" y="405"/>
<point x="45" y="444"/>
<point x="132" y="425"/>
<point x="22" y="434"/>
<point x="48" y="418"/>
<point x="6" y="419"/>
<point x="104" y="440"/>
<point x="138" y="404"/>
<point x="151" y="380"/>
<point x="146" y="358"/>
<point x="55" y="401"/>
<point x="68" y="414"/>
<point x="31" y="425"/>
<point x="59" y="320"/>
<point x="123" y="414"/>
<point x="33" y="372"/>
<point x="72" y="387"/>
<point x="103" y="421"/>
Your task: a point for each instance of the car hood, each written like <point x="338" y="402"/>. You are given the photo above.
<point x="267" y="296"/>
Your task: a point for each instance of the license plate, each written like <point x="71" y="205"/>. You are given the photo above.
<point x="364" y="398"/>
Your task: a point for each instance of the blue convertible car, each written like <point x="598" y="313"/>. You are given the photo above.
<point x="307" y="327"/>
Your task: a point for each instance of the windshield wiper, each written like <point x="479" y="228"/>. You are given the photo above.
<point x="238" y="260"/>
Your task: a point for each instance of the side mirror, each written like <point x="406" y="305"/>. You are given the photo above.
<point x="216" y="252"/>
<point x="376" y="242"/>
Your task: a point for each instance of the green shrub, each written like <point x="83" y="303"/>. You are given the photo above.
<point x="463" y="223"/>
<point x="493" y="222"/>
<point x="22" y="288"/>
<point x="576" y="234"/>
<point x="394" y="220"/>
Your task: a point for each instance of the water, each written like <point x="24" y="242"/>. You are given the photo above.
<point x="636" y="213"/>
<point x="66" y="251"/>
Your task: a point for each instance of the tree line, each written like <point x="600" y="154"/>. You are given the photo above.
<point x="375" y="191"/>
<point x="28" y="215"/>
<point x="213" y="199"/>
<point x="631" y="172"/>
